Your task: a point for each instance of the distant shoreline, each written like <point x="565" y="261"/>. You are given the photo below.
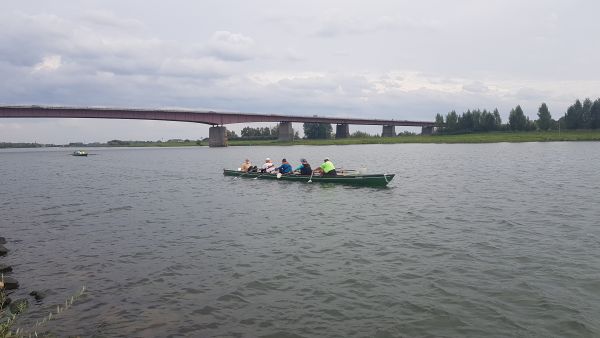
<point x="489" y="137"/>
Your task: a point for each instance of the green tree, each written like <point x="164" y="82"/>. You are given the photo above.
<point x="517" y="119"/>
<point x="476" y="120"/>
<point x="586" y="113"/>
<point x="497" y="120"/>
<point x="264" y="132"/>
<point x="439" y="122"/>
<point x="544" y="121"/>
<point x="595" y="115"/>
<point x="465" y="121"/>
<point x="452" y="121"/>
<point x="317" y="130"/>
<point x="488" y="121"/>
<point x="231" y="134"/>
<point x="361" y="134"/>
<point x="247" y="132"/>
<point x="573" y="118"/>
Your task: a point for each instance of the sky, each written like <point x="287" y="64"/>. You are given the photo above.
<point x="371" y="59"/>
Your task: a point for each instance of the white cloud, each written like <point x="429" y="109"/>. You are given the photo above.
<point x="48" y="64"/>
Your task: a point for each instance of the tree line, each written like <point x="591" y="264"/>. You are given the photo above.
<point x="584" y="115"/>
<point x="258" y="133"/>
<point x="312" y="131"/>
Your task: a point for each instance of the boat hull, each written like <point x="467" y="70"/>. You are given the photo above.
<point x="377" y="180"/>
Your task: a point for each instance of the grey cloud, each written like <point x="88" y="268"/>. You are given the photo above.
<point x="337" y="24"/>
<point x="529" y="94"/>
<point x="109" y="19"/>
<point x="231" y="47"/>
<point x="398" y="59"/>
<point x="202" y="67"/>
<point x="476" y="87"/>
<point x="29" y="39"/>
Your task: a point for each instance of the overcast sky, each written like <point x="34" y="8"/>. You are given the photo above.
<point x="379" y="59"/>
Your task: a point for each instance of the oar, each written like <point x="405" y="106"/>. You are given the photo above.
<point x="263" y="174"/>
<point x="350" y="171"/>
<point x="311" y="174"/>
<point x="245" y="173"/>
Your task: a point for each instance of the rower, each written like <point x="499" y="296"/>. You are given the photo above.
<point x="304" y="168"/>
<point x="284" y="168"/>
<point x="268" y="166"/>
<point x="246" y="165"/>
<point x="327" y="168"/>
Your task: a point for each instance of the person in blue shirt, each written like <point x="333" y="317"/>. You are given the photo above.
<point x="304" y="168"/>
<point x="284" y="168"/>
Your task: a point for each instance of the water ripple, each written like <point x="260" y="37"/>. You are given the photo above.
<point x="469" y="241"/>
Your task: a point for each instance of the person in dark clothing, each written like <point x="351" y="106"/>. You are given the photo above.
<point x="304" y="168"/>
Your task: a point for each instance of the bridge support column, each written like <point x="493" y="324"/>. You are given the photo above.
<point x="217" y="136"/>
<point x="286" y="132"/>
<point x="342" y="130"/>
<point x="388" y="131"/>
<point x="426" y="130"/>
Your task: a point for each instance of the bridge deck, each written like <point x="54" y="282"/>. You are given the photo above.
<point x="206" y="117"/>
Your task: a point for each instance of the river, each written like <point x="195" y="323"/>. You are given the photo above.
<point x="483" y="240"/>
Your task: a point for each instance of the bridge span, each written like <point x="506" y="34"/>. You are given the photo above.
<point x="217" y="120"/>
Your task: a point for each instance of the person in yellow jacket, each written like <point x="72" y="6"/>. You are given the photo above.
<point x="327" y="168"/>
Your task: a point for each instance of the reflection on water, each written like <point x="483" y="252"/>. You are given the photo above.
<point x="490" y="240"/>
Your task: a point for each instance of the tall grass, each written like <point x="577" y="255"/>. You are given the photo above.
<point x="7" y="326"/>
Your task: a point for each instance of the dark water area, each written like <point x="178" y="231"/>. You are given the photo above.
<point x="489" y="240"/>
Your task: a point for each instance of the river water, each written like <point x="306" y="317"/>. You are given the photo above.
<point x="486" y="240"/>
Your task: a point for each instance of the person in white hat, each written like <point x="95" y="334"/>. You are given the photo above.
<point x="268" y="166"/>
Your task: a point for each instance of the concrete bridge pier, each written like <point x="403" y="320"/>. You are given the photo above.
<point x="426" y="130"/>
<point x="286" y="132"/>
<point x="342" y="130"/>
<point x="217" y="136"/>
<point x="388" y="131"/>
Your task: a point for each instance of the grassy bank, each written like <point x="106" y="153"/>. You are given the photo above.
<point x="490" y="137"/>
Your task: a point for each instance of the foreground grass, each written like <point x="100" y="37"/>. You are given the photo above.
<point x="491" y="137"/>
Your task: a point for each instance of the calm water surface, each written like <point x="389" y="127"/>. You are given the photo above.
<point x="491" y="240"/>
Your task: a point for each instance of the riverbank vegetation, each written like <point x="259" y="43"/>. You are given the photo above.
<point x="482" y="137"/>
<point x="578" y="116"/>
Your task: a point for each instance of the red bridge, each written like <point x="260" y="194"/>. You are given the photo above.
<point x="217" y="133"/>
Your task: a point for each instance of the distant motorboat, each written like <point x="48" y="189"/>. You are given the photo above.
<point x="80" y="153"/>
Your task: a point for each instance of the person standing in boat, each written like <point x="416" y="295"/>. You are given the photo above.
<point x="284" y="168"/>
<point x="327" y="168"/>
<point x="304" y="168"/>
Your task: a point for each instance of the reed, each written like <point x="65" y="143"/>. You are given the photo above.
<point x="7" y="326"/>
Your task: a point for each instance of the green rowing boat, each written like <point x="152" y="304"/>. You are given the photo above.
<point x="376" y="180"/>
